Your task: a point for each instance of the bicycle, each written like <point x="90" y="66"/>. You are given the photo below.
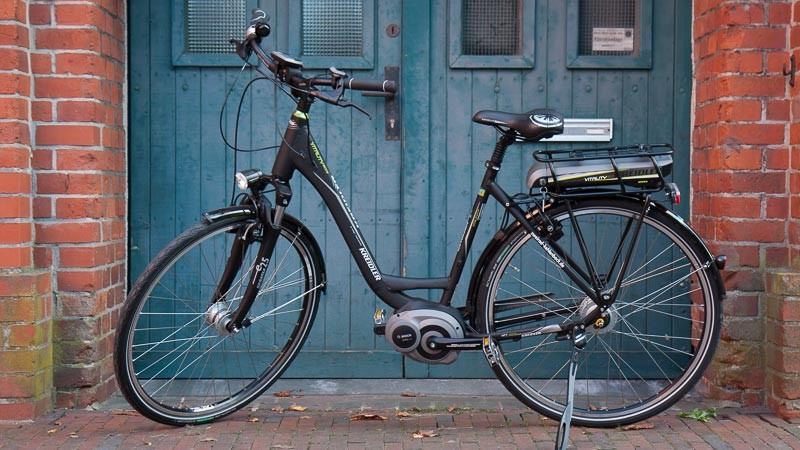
<point x="592" y="303"/>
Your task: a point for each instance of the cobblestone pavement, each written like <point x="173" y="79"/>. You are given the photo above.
<point x="446" y="421"/>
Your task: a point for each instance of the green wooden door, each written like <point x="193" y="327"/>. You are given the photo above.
<point x="411" y="196"/>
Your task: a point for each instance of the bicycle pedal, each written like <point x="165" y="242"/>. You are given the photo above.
<point x="379" y="326"/>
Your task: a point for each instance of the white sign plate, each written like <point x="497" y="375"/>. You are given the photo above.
<point x="612" y="39"/>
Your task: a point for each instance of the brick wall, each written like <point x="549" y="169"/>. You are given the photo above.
<point x="783" y="284"/>
<point x="25" y="292"/>
<point x="741" y="190"/>
<point x="62" y="201"/>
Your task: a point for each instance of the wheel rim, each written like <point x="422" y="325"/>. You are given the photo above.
<point x="183" y="367"/>
<point x="662" y="321"/>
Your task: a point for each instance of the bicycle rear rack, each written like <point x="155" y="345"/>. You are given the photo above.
<point x="599" y="171"/>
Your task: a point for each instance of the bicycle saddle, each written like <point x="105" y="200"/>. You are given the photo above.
<point x="532" y="126"/>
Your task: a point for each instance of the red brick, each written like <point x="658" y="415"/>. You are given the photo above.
<point x="784" y="360"/>
<point x="15" y="257"/>
<point x="776" y="257"/>
<point x="41" y="63"/>
<point x="726" y="182"/>
<point x="15" y="232"/>
<point x="76" y="377"/>
<point x="742" y="207"/>
<point x="741" y="306"/>
<point x="90" y="15"/>
<point x="777" y="208"/>
<point x="14" y="35"/>
<point x="13" y="59"/>
<point x="42" y="159"/>
<point x="777" y="158"/>
<point x="750" y="86"/>
<point x="50" y="87"/>
<point x="67" y="135"/>
<point x="760" y="231"/>
<point x="67" y="232"/>
<point x="18" y="386"/>
<point x="42" y="111"/>
<point x="778" y="110"/>
<point x="42" y="207"/>
<point x="79" y="208"/>
<point x="739" y="38"/>
<point x="743" y="280"/>
<point x="13" y="10"/>
<point x="67" y="39"/>
<point x="15" y="207"/>
<point x="42" y="257"/>
<point x="80" y="281"/>
<point x="782" y="334"/>
<point x="27" y="410"/>
<point x="752" y="134"/>
<point x="15" y="182"/>
<point x="14" y="108"/>
<point x="15" y="83"/>
<point x="15" y="133"/>
<point x="779" y="13"/>
<point x="81" y="64"/>
<point x="81" y="111"/>
<point x="39" y="14"/>
<point x="15" y="158"/>
<point x="69" y="183"/>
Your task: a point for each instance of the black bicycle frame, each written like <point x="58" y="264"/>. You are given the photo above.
<point x="299" y="152"/>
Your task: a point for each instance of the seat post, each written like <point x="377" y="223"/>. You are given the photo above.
<point x="500" y="148"/>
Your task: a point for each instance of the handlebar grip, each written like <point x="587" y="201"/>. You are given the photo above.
<point x="371" y="85"/>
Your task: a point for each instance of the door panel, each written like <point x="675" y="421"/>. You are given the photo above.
<point x="411" y="197"/>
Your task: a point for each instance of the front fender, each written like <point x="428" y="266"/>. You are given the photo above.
<point x="248" y="211"/>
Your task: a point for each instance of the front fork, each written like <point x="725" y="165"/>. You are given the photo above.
<point x="245" y="237"/>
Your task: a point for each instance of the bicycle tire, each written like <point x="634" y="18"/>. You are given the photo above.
<point x="172" y="365"/>
<point x="666" y="319"/>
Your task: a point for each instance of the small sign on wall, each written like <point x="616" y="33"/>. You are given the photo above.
<point x="612" y="39"/>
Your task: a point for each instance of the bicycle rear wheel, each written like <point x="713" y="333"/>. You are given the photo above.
<point x="661" y="332"/>
<point x="172" y="364"/>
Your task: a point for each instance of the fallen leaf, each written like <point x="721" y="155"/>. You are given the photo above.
<point x="277" y="408"/>
<point x="57" y="423"/>
<point x="402" y="414"/>
<point x="52" y="431"/>
<point x="451" y="408"/>
<point x="208" y="440"/>
<point x="297" y="408"/>
<point x="73" y="435"/>
<point x="305" y="417"/>
<point x="639" y="426"/>
<point x="367" y="417"/>
<point x="126" y="412"/>
<point x="415" y="409"/>
<point x="254" y="409"/>
<point x="423" y="434"/>
<point x="412" y="394"/>
<point x="286" y="393"/>
<point x="253" y="419"/>
<point x="148" y="444"/>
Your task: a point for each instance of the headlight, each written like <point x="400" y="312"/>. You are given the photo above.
<point x="245" y="177"/>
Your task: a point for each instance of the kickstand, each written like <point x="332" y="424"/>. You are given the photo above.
<point x="578" y="340"/>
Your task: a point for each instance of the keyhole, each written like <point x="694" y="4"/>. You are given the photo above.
<point x="392" y="30"/>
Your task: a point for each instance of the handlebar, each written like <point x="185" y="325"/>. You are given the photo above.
<point x="292" y="74"/>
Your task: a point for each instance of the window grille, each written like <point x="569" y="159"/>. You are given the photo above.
<point x="332" y="28"/>
<point x="491" y="27"/>
<point x="211" y="23"/>
<point x="609" y="27"/>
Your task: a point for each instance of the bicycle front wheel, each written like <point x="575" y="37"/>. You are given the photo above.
<point x="658" y="338"/>
<point x="174" y="362"/>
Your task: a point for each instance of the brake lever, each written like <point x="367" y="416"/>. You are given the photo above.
<point x="335" y="98"/>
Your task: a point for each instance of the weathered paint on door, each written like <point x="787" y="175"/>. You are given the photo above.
<point x="411" y="197"/>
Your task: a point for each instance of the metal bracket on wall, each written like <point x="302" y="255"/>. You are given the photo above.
<point x="391" y="108"/>
<point x="791" y="70"/>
